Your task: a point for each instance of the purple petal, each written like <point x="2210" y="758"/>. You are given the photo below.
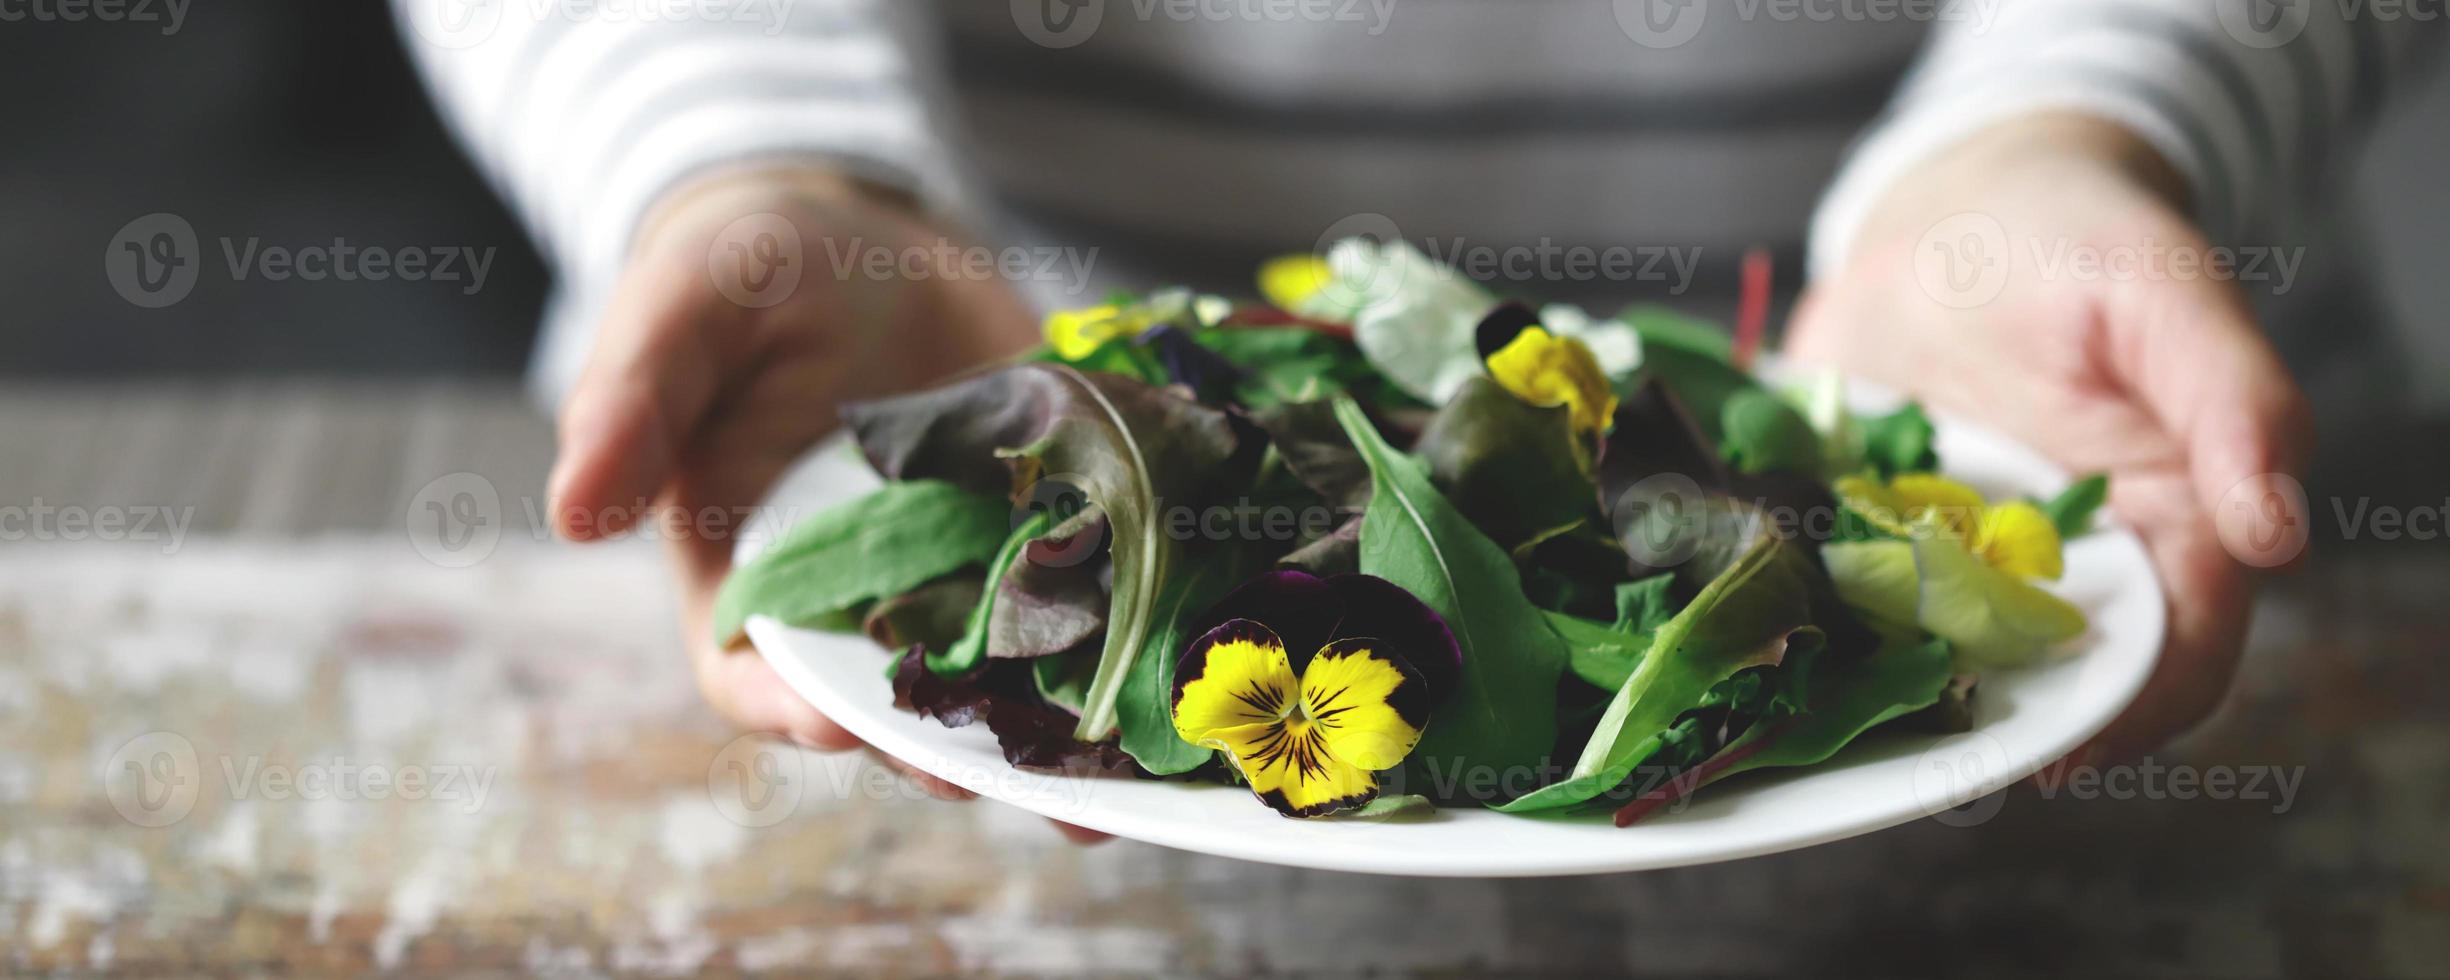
<point x="1375" y="607"/>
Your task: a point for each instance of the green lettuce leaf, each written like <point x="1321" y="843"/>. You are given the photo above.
<point x="1755" y="614"/>
<point x="1900" y="442"/>
<point x="895" y="539"/>
<point x="1845" y="699"/>
<point x="1502" y="717"/>
<point x="2072" y="510"/>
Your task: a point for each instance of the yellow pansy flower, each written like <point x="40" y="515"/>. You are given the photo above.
<point x="2014" y="537"/>
<point x="1548" y="370"/>
<point x="1308" y="745"/>
<point x="1076" y="334"/>
<point x="1290" y="281"/>
<point x="1964" y="570"/>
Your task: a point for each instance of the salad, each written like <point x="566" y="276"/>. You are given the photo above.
<point x="1386" y="541"/>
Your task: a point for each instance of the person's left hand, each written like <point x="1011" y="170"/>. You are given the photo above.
<point x="1968" y="288"/>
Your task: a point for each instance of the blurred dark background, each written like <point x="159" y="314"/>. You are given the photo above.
<point x="298" y="123"/>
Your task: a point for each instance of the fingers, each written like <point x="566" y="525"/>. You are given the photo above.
<point x="2210" y="600"/>
<point x="2190" y="351"/>
<point x="746" y="692"/>
<point x="648" y="383"/>
<point x="1080" y="835"/>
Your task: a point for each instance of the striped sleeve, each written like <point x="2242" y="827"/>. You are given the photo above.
<point x="2252" y="100"/>
<point x="583" y="114"/>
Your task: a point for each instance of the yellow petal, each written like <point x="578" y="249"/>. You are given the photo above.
<point x="1234" y="677"/>
<point x="1988" y="617"/>
<point x="1290" y="281"/>
<point x="1868" y="497"/>
<point x="2017" y="538"/>
<point x="1290" y="769"/>
<point x="1956" y="506"/>
<point x="1368" y="707"/>
<point x="1548" y="370"/>
<point x="1076" y="334"/>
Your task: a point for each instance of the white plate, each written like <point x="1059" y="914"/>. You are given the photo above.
<point x="2025" y="719"/>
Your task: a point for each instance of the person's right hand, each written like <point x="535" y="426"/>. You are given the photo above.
<point x="750" y="311"/>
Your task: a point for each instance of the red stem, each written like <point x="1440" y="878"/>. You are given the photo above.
<point x="1683" y="784"/>
<point x="1752" y="307"/>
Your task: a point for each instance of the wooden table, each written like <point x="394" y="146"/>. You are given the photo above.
<point x="189" y="730"/>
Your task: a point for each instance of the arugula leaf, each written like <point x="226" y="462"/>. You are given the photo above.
<point x="1502" y="717"/>
<point x="1514" y="469"/>
<point x="1756" y="614"/>
<point x="1600" y="654"/>
<point x="965" y="652"/>
<point x="2072" y="510"/>
<point x="1146" y="703"/>
<point x="1606" y="654"/>
<point x="1131" y="449"/>
<point x="891" y="541"/>
<point x="1900" y="442"/>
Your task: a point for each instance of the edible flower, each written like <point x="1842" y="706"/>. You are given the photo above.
<point x="1076" y="334"/>
<point x="1957" y="566"/>
<point x="1310" y="738"/>
<point x="1414" y="316"/>
<point x="2014" y="537"/>
<point x="1079" y="333"/>
<point x="1548" y="370"/>
<point x="1291" y="281"/>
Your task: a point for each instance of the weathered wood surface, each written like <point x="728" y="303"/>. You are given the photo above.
<point x="298" y="628"/>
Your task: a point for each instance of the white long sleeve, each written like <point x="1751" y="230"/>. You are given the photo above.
<point x="582" y="115"/>
<point x="2252" y="100"/>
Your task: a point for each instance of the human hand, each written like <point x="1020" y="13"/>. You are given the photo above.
<point x="1960" y="290"/>
<point x="722" y="358"/>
